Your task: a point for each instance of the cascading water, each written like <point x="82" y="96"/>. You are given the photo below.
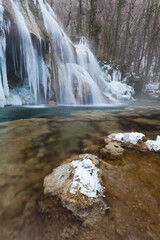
<point x="79" y="75"/>
<point x="70" y="75"/>
<point x="31" y="66"/>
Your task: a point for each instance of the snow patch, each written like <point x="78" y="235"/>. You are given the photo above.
<point x="153" y="145"/>
<point x="132" y="137"/>
<point x="85" y="179"/>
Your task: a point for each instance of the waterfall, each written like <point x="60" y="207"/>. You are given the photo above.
<point x="79" y="75"/>
<point x="31" y="65"/>
<point x="52" y="69"/>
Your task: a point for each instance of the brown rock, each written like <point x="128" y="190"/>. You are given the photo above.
<point x="58" y="184"/>
<point x="112" y="150"/>
<point x="52" y="103"/>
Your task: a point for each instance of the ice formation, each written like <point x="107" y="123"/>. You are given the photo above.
<point x="4" y="89"/>
<point x="132" y="137"/>
<point x="116" y="88"/>
<point x="86" y="180"/>
<point x="29" y="57"/>
<point x="120" y="90"/>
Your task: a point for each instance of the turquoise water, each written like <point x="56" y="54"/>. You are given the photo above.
<point x="44" y="111"/>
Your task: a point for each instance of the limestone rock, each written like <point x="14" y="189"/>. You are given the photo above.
<point x="134" y="140"/>
<point x="112" y="150"/>
<point x="79" y="186"/>
<point x="52" y="103"/>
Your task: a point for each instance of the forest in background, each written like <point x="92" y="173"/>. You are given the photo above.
<point x="124" y="32"/>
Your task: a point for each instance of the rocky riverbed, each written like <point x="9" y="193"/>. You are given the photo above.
<point x="31" y="148"/>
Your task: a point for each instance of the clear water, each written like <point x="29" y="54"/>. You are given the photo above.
<point x="44" y="111"/>
<point x="33" y="141"/>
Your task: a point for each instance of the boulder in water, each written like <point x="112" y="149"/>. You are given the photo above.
<point x="79" y="186"/>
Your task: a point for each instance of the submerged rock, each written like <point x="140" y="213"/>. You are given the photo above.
<point x="79" y="186"/>
<point x="112" y="150"/>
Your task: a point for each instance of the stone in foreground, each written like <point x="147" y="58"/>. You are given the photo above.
<point x="79" y="186"/>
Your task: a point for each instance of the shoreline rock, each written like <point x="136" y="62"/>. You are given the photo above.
<point x="134" y="140"/>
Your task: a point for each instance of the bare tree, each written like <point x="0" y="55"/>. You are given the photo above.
<point x="126" y="32"/>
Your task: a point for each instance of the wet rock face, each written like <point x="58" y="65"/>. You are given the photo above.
<point x="13" y="45"/>
<point x="78" y="184"/>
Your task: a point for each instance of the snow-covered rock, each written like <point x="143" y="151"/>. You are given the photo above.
<point x="153" y="145"/>
<point x="132" y="137"/>
<point x="136" y="141"/>
<point x="86" y="179"/>
<point x="79" y="186"/>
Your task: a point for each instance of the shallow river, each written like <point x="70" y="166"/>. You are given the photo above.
<point x="33" y="141"/>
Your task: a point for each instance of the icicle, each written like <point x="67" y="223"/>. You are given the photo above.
<point x="35" y="2"/>
<point x="4" y="89"/>
<point x="29" y="58"/>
